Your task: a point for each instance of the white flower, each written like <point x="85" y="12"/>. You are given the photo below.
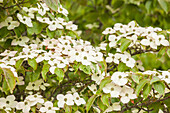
<point x="113" y="89"/>
<point x="34" y="99"/>
<point x="85" y="58"/>
<point x="166" y="76"/>
<point x="93" y="88"/>
<point x="108" y="31"/>
<point x="115" y="107"/>
<point x="54" y="25"/>
<point x="119" y="78"/>
<point x="25" y="20"/>
<point x="20" y="81"/>
<point x="62" y="10"/>
<point x="67" y="99"/>
<point x="130" y="62"/>
<point x="42" y="8"/>
<point x="127" y="94"/>
<point x="8" y="102"/>
<point x="113" y="40"/>
<point x="97" y="77"/>
<point x="44" y="20"/>
<point x="8" y="22"/>
<point x="48" y="108"/>
<point x="20" y="41"/>
<point x="71" y="26"/>
<point x="78" y="100"/>
<point x="160" y="39"/>
<point x="38" y="84"/>
<point x="139" y="65"/>
<point x="24" y="106"/>
<point x="8" y="53"/>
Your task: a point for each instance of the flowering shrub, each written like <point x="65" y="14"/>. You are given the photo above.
<point x="46" y="67"/>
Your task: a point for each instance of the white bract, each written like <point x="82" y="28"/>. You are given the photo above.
<point x="119" y="78"/>
<point x="48" y="108"/>
<point x="9" y="23"/>
<point x="65" y="99"/>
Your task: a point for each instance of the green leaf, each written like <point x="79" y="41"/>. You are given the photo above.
<point x="10" y="79"/>
<point x="36" y="74"/>
<point x="148" y="6"/>
<point x="53" y="4"/>
<point x="122" y="67"/>
<point x="140" y="86"/>
<point x="60" y="74"/>
<point x="135" y="78"/>
<point x="124" y="44"/>
<point x="68" y="109"/>
<point x="146" y="90"/>
<point x="19" y="63"/>
<point x="32" y="63"/>
<point x="154" y="79"/>
<point x="90" y="102"/>
<point x="85" y="69"/>
<point x="105" y="99"/>
<point x="161" y="52"/>
<point x="4" y="32"/>
<point x="51" y="34"/>
<point x="5" y="86"/>
<point x="44" y="71"/>
<point x="37" y="28"/>
<point x="168" y="52"/>
<point x="159" y="87"/>
<point x="164" y="5"/>
<point x="105" y="81"/>
<point x="19" y="30"/>
<point x="101" y="104"/>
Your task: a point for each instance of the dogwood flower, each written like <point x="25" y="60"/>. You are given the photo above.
<point x="115" y="107"/>
<point x="93" y="88"/>
<point x="9" y="23"/>
<point x="166" y="76"/>
<point x="108" y="31"/>
<point x="113" y="40"/>
<point x="53" y="25"/>
<point x="119" y="78"/>
<point x="126" y="58"/>
<point x="48" y="108"/>
<point x="71" y="26"/>
<point x="113" y="89"/>
<point x="24" y="106"/>
<point x="8" y="53"/>
<point x="20" y="41"/>
<point x="127" y="94"/>
<point x="67" y="99"/>
<point x="78" y="100"/>
<point x="62" y="10"/>
<point x="25" y="20"/>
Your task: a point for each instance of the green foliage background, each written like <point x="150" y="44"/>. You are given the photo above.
<point x="145" y="12"/>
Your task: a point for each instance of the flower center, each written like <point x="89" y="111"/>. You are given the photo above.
<point x="49" y="108"/>
<point x="120" y="76"/>
<point x="7" y="102"/>
<point x="77" y="98"/>
<point x="65" y="99"/>
<point x="85" y="58"/>
<point x="112" y="89"/>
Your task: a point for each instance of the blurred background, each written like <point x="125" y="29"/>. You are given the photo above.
<point x="93" y="16"/>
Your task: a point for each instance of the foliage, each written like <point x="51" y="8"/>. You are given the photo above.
<point x="45" y="66"/>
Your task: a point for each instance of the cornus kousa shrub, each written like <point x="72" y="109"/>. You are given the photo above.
<point x="46" y="68"/>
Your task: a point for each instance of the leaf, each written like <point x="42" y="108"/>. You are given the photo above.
<point x="159" y="87"/>
<point x="105" y="99"/>
<point x="164" y="5"/>
<point x="168" y="52"/>
<point x="135" y="78"/>
<point x="3" y="32"/>
<point x="148" y="6"/>
<point x="44" y="71"/>
<point x="122" y="67"/>
<point x="146" y="90"/>
<point x="10" y="79"/>
<point x="154" y="79"/>
<point x="19" y="63"/>
<point x="140" y="86"/>
<point x="105" y="81"/>
<point x="19" y="30"/>
<point x="90" y="102"/>
<point x="60" y="74"/>
<point x="124" y="44"/>
<point x="68" y="109"/>
<point x="101" y="105"/>
<point x="53" y="4"/>
<point x="85" y="69"/>
<point x="36" y="74"/>
<point x="32" y="63"/>
<point x="37" y="28"/>
<point x="51" y="34"/>
<point x="161" y="52"/>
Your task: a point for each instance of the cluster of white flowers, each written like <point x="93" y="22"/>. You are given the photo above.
<point x="8" y="104"/>
<point x="125" y="58"/>
<point x="147" y="36"/>
<point x="91" y="26"/>
<point x="69" y="99"/>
